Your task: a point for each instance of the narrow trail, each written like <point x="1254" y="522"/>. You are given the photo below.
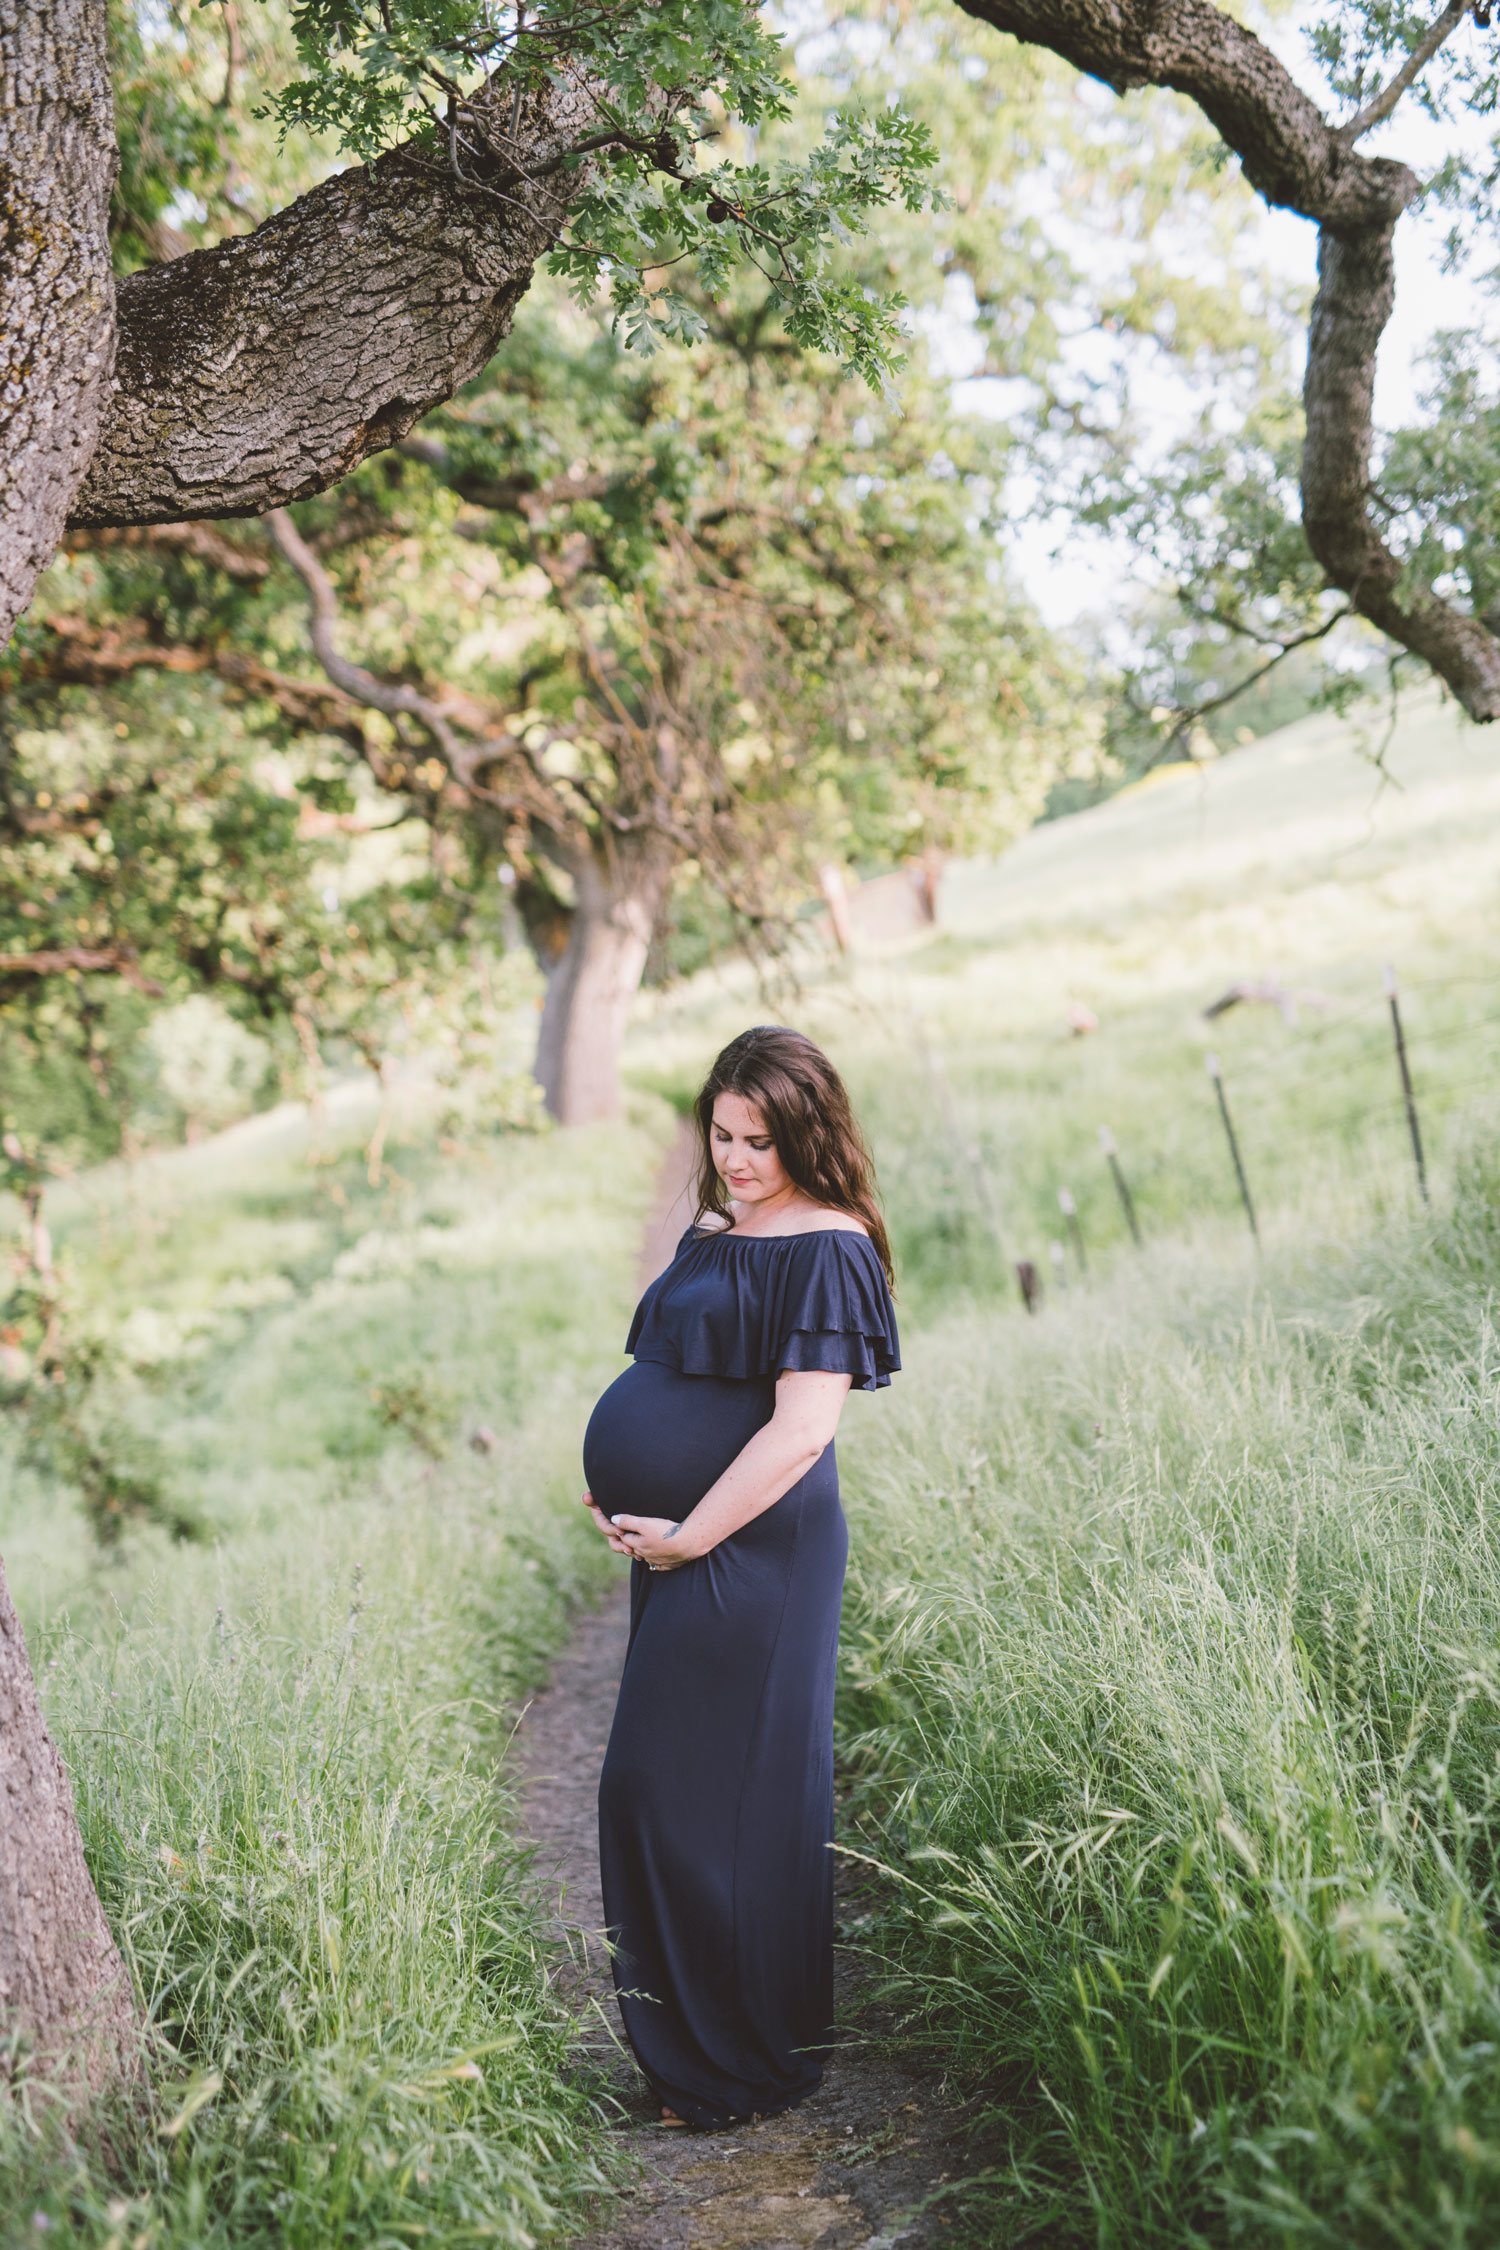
<point x="863" y="2165"/>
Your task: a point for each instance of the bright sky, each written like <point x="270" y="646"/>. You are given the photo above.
<point x="1083" y="577"/>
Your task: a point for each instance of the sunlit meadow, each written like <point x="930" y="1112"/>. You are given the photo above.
<point x="1171" y="1672"/>
<point x="1169" y="1703"/>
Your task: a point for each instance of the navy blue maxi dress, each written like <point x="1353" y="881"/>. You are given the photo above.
<point x="716" y="1798"/>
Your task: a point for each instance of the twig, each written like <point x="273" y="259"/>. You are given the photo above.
<point x="80" y="960"/>
<point x="1377" y="111"/>
<point x="354" y="680"/>
<point x="1187" y="720"/>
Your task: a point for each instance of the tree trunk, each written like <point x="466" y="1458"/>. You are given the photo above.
<point x="57" y="168"/>
<point x="1292" y="156"/>
<point x="65" y="1998"/>
<point x="1356" y="294"/>
<point x="590" y="990"/>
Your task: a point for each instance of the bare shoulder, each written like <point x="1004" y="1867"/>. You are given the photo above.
<point x="839" y="1222"/>
<point x="713" y="1222"/>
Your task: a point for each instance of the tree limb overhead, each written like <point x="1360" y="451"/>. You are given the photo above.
<point x="264" y="369"/>
<point x="1290" y="154"/>
<point x="1293" y="157"/>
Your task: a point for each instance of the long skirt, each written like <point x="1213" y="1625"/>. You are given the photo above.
<point x="716" y="1798"/>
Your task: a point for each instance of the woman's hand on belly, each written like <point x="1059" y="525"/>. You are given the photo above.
<point x="644" y="1538"/>
<point x="654" y="1540"/>
<point x="603" y="1525"/>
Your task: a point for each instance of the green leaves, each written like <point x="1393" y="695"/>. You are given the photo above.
<point x="1440" y="482"/>
<point x="650" y="221"/>
<point x="789" y="222"/>
<point x="1361" y="44"/>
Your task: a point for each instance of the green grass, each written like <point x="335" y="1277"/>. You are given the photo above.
<point x="1171" y="1687"/>
<point x="1288" y="860"/>
<point x="288" y="1742"/>
<point x="1172" y="1703"/>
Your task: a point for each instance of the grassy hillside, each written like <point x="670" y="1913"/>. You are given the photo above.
<point x="1171" y="1704"/>
<point x="1292" y="861"/>
<point x="1170" y="1698"/>
<point x="287" y="1736"/>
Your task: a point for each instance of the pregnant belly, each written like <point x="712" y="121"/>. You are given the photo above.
<point x="657" y="1440"/>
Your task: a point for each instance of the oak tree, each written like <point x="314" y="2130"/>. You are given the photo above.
<point x="263" y="367"/>
<point x="1376" y="54"/>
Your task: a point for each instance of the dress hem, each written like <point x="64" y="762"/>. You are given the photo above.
<point x="702" y="2117"/>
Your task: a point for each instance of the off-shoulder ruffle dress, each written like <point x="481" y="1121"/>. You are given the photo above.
<point x="716" y="1798"/>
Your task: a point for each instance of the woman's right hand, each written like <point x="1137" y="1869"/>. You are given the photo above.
<point x="604" y="1525"/>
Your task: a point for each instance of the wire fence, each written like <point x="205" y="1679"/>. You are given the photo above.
<point x="1319" y="1087"/>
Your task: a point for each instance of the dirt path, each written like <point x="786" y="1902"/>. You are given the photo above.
<point x="865" y="2163"/>
<point x="672" y="1206"/>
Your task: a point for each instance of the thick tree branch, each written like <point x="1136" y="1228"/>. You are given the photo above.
<point x="77" y="960"/>
<point x="264" y="369"/>
<point x="1290" y="154"/>
<point x="1356" y="289"/>
<point x="1293" y="157"/>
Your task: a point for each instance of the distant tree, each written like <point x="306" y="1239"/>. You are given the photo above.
<point x="613" y="626"/>
<point x="773" y="631"/>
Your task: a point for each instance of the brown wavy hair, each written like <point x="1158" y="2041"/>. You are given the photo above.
<point x="808" y="1115"/>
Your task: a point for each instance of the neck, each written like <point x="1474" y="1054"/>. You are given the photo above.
<point x="751" y="1218"/>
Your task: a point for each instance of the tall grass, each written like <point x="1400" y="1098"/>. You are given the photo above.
<point x="288" y="1744"/>
<point x="1172" y="1702"/>
<point x="1170" y="1651"/>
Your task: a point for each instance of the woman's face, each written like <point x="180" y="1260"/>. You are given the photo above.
<point x="744" y="1153"/>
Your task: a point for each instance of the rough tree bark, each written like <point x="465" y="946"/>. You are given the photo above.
<point x="57" y="168"/>
<point x="1293" y="157"/>
<point x="1356" y="290"/>
<point x="598" y="974"/>
<point x="65" y="1999"/>
<point x="266" y="368"/>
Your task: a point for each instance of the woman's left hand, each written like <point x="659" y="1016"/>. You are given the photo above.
<point x="652" y="1539"/>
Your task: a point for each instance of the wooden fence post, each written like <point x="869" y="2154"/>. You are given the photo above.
<point x="1407" y="1095"/>
<point x="1122" y="1185"/>
<point x="1212" y="1064"/>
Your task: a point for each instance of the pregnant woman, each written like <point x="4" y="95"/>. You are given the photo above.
<point x="710" y="1462"/>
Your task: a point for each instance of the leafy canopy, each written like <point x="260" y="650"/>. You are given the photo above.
<point x="667" y="195"/>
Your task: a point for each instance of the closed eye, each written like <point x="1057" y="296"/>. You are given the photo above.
<point x="760" y="1146"/>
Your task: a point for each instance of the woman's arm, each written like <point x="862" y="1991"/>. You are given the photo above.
<point x="808" y="1406"/>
